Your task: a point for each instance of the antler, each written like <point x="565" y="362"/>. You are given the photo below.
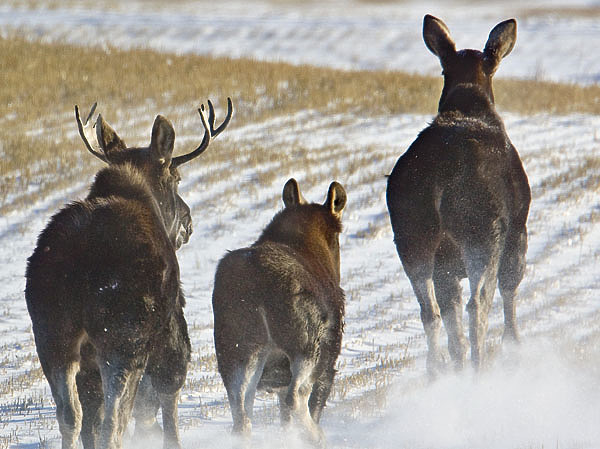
<point x="209" y="132"/>
<point x="82" y="132"/>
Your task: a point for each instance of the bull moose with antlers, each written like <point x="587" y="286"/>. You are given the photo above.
<point x="103" y="287"/>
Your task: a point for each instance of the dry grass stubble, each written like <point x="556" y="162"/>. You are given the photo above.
<point x="41" y="151"/>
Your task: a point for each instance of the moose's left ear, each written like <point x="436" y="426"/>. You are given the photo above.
<point x="500" y="43"/>
<point x="108" y="139"/>
<point x="163" y="140"/>
<point x="291" y="194"/>
<point x="336" y="199"/>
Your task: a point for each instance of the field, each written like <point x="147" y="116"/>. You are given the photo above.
<point x="317" y="115"/>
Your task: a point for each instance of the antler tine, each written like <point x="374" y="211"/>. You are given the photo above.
<point x="177" y="161"/>
<point x="211" y="118"/>
<point x="209" y="131"/>
<point x="87" y="120"/>
<point x="216" y="132"/>
<point x="82" y="132"/>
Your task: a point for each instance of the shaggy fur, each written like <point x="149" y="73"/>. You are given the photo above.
<point x="458" y="201"/>
<point x="104" y="295"/>
<point x="279" y="312"/>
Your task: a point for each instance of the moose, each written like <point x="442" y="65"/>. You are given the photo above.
<point x="458" y="200"/>
<point x="103" y="288"/>
<point x="278" y="313"/>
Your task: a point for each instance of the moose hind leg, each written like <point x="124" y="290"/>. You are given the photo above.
<point x="168" y="404"/>
<point x="62" y="380"/>
<point x="418" y="263"/>
<point x="241" y="388"/>
<point x="510" y="274"/>
<point x="119" y="384"/>
<point x="89" y="386"/>
<point x="482" y="269"/>
<point x="431" y="317"/>
<point x="145" y="408"/>
<point x="320" y="392"/>
<point x="297" y="398"/>
<point x="448" y="295"/>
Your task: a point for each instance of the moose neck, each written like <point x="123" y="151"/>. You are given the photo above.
<point x="127" y="182"/>
<point x="303" y="229"/>
<point x="468" y="99"/>
<point x="120" y="181"/>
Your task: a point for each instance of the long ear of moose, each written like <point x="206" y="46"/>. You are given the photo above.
<point x="500" y="43"/>
<point x="437" y="38"/>
<point x="163" y="140"/>
<point x="336" y="199"/>
<point x="291" y="194"/>
<point x="108" y="139"/>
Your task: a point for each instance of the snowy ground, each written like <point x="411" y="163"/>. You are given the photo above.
<point x="345" y="34"/>
<point x="545" y="394"/>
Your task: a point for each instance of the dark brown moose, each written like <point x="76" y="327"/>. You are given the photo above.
<point x="458" y="201"/>
<point x="278" y="311"/>
<point x="103" y="288"/>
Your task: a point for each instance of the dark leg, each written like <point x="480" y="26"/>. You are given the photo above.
<point x="119" y="383"/>
<point x="417" y="253"/>
<point x="431" y="317"/>
<point x="285" y="415"/>
<point x="167" y="369"/>
<point x="145" y="408"/>
<point x="68" y="408"/>
<point x="168" y="403"/>
<point x="510" y="274"/>
<point x="89" y="387"/>
<point x="325" y="371"/>
<point x="240" y="383"/>
<point x="61" y="368"/>
<point x="320" y="392"/>
<point x="297" y="397"/>
<point x="446" y="278"/>
<point x="482" y="269"/>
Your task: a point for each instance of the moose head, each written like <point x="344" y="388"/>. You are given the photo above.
<point x="154" y="165"/>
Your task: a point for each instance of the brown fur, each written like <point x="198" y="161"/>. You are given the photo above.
<point x="104" y="295"/>
<point x="279" y="312"/>
<point x="459" y="199"/>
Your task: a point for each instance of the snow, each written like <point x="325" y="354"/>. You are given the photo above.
<point x="543" y="394"/>
<point x="342" y="34"/>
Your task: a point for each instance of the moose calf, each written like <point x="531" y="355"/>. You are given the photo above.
<point x="278" y="311"/>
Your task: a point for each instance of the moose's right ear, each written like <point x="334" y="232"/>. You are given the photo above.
<point x="291" y="194"/>
<point x="108" y="139"/>
<point x="437" y="38"/>
<point x="336" y="199"/>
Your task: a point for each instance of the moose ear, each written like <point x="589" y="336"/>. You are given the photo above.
<point x="108" y="139"/>
<point x="437" y="38"/>
<point x="291" y="194"/>
<point x="336" y="199"/>
<point x="163" y="140"/>
<point x="500" y="43"/>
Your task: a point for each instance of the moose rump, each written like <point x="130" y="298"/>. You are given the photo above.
<point x="103" y="294"/>
<point x="278" y="312"/>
